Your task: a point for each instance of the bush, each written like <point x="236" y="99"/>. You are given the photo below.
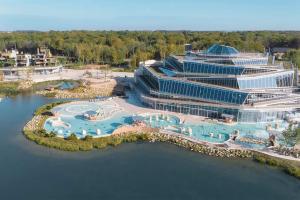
<point x="72" y="137"/>
<point x="88" y="138"/>
<point x="9" y="88"/>
<point x="114" y="141"/>
<point x="292" y="170"/>
<point x="289" y="167"/>
<point x="50" y="94"/>
<point x="47" y="108"/>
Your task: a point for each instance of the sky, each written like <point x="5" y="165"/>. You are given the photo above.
<point x="197" y="15"/>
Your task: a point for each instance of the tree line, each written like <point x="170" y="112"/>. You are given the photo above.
<point x="117" y="47"/>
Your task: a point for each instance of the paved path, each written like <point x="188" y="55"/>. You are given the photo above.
<point x="71" y="74"/>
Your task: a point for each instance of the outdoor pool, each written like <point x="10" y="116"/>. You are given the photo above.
<point x="215" y="132"/>
<point x="199" y="131"/>
<point x="67" y="85"/>
<point x="71" y="120"/>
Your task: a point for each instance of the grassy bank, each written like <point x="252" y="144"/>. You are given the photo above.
<point x="37" y="134"/>
<point x="288" y="166"/>
<point x="40" y="136"/>
<point x="45" y="109"/>
<point x="9" y="88"/>
<point x="17" y="87"/>
<point x="86" y="144"/>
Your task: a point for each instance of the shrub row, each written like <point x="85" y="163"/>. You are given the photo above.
<point x="73" y="144"/>
<point x="290" y="167"/>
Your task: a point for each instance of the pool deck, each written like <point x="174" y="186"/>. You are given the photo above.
<point x="132" y="106"/>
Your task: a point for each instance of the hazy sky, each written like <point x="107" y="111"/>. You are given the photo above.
<point x="150" y="15"/>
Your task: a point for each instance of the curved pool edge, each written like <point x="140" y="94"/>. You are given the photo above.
<point x="282" y="162"/>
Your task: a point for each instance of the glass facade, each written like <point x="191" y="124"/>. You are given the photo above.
<point x="193" y="90"/>
<point x="211" y="68"/>
<point x="207" y="85"/>
<point x="217" y="49"/>
<point x="260" y="116"/>
<point x="259" y="61"/>
<point x="271" y="81"/>
<point x="224" y="82"/>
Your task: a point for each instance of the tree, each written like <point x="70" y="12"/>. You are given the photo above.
<point x="294" y="56"/>
<point x="111" y="47"/>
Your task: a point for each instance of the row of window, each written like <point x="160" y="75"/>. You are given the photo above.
<point x="206" y="111"/>
<point x="225" y="82"/>
<point x="274" y="81"/>
<point x="261" y="61"/>
<point x="153" y="80"/>
<point x="210" y="68"/>
<point x="211" y="111"/>
<point x="194" y="90"/>
<point x="173" y="64"/>
<point x="202" y="92"/>
<point x="258" y="116"/>
<point x="256" y="70"/>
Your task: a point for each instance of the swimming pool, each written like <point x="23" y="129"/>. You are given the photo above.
<point x="70" y="119"/>
<point x="198" y="131"/>
<point x="78" y="125"/>
<point x="67" y="85"/>
<point x="214" y="132"/>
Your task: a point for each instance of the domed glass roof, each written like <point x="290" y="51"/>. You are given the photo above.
<point x="217" y="49"/>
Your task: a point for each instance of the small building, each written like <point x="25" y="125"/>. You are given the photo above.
<point x="9" y="54"/>
<point x="9" y="57"/>
<point x="23" y="60"/>
<point x="44" y="57"/>
<point x="279" y="52"/>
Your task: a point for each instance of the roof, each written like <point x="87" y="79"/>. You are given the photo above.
<point x="280" y="49"/>
<point x="218" y="49"/>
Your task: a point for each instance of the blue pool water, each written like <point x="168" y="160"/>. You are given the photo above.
<point x="161" y="123"/>
<point x="199" y="131"/>
<point x="78" y="124"/>
<point x="76" y="109"/>
<point x="214" y="132"/>
<point x="67" y="85"/>
<point x="71" y="119"/>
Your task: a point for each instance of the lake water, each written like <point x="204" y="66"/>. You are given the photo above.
<point x="130" y="171"/>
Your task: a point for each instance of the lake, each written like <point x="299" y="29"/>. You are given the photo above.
<point x="129" y="171"/>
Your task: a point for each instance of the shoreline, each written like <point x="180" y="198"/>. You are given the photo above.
<point x="290" y="167"/>
<point x="34" y="131"/>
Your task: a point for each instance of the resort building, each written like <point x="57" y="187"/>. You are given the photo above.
<point x="219" y="82"/>
<point x="9" y="57"/>
<point x="44" y="57"/>
<point x="23" y="60"/>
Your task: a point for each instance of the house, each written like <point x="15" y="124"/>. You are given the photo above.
<point x="23" y="60"/>
<point x="279" y="52"/>
<point x="44" y="57"/>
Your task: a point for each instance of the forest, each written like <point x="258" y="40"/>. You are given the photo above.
<point x="118" y="47"/>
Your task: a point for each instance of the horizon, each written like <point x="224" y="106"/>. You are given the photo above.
<point x="124" y="30"/>
<point x="92" y="15"/>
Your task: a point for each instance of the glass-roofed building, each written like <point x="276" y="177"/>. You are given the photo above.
<point x="219" y="82"/>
